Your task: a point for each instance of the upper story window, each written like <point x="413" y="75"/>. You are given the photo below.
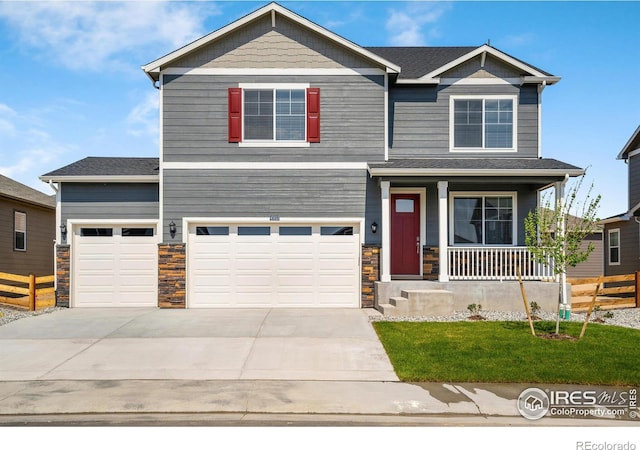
<point x="614" y="247"/>
<point x="19" y="231"/>
<point x="483" y="219"/>
<point x="483" y="123"/>
<point x="263" y="114"/>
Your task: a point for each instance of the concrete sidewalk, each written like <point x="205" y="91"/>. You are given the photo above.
<point x="300" y="363"/>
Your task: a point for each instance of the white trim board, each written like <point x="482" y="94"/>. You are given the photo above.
<point x="360" y="71"/>
<point x="266" y="165"/>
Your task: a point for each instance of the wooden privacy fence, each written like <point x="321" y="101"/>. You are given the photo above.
<point x="29" y="292"/>
<point x="623" y="294"/>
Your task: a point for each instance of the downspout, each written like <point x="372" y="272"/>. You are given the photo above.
<point x="540" y="89"/>
<point x="58" y="238"/>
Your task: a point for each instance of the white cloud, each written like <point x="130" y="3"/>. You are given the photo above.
<point x="407" y="26"/>
<point x="143" y="119"/>
<point x="104" y="35"/>
<point x="26" y="147"/>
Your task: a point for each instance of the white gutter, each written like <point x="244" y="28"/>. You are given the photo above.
<point x="383" y="171"/>
<point x="103" y="179"/>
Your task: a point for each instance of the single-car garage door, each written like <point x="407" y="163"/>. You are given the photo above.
<point x="268" y="265"/>
<point x="114" y="265"/>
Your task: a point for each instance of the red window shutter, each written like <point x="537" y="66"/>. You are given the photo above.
<point x="235" y="114"/>
<point x="313" y="115"/>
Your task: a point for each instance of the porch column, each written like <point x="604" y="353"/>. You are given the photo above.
<point x="559" y="193"/>
<point x="385" y="259"/>
<point x="443" y="213"/>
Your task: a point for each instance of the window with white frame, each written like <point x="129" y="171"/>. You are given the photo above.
<point x="483" y="123"/>
<point x="614" y="247"/>
<point x="19" y="231"/>
<point x="274" y="115"/>
<point x="483" y="219"/>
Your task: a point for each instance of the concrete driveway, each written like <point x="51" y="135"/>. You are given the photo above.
<point x="209" y="344"/>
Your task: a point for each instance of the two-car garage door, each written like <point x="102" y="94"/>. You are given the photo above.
<point x="273" y="265"/>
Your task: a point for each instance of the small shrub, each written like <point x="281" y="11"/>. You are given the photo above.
<point x="474" y="311"/>
<point x="599" y="316"/>
<point x="535" y="310"/>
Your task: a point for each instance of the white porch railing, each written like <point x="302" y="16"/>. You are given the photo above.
<point x="495" y="263"/>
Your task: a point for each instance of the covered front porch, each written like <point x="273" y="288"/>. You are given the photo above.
<point x="447" y="225"/>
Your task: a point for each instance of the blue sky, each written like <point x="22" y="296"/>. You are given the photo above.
<point x="71" y="84"/>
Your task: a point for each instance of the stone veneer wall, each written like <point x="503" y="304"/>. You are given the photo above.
<point x="370" y="273"/>
<point x="430" y="263"/>
<point x="63" y="264"/>
<point x="172" y="275"/>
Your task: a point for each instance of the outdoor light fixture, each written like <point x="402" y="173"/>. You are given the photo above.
<point x="172" y="229"/>
<point x="63" y="231"/>
<point x="374" y="227"/>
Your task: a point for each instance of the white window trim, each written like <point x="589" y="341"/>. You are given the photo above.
<point x="274" y="142"/>
<point x="514" y="146"/>
<point x="609" y="233"/>
<point x="514" y="222"/>
<point x="16" y="230"/>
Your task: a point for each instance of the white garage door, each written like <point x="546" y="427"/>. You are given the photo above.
<point x="115" y="266"/>
<point x="273" y="266"/>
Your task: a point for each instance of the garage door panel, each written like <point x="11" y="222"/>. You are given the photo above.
<point x="289" y="266"/>
<point x="114" y="270"/>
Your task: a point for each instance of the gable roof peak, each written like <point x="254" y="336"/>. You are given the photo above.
<point x="153" y="68"/>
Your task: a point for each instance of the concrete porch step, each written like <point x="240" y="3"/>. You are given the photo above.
<point x="419" y="302"/>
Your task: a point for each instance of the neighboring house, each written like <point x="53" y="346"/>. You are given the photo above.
<point x="28" y="218"/>
<point x="622" y="232"/>
<point x="299" y="169"/>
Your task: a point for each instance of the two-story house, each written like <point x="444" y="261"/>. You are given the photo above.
<point x="299" y="169"/>
<point x="622" y="232"/>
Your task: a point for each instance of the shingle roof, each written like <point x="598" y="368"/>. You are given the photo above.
<point x="479" y="164"/>
<point x="107" y="166"/>
<point x="419" y="61"/>
<point x="18" y="191"/>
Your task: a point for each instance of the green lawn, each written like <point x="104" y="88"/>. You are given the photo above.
<point x="507" y="352"/>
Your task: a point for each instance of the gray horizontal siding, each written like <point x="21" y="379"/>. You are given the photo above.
<point x="87" y="201"/>
<point x="419" y="120"/>
<point x="593" y="266"/>
<point x="634" y="181"/>
<point x="41" y="225"/>
<point x="629" y="248"/>
<point x="262" y="193"/>
<point x="195" y="120"/>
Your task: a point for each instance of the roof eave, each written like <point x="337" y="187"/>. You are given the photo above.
<point x="494" y="52"/>
<point x="619" y="218"/>
<point x="391" y="171"/>
<point x="30" y="202"/>
<point x="539" y="80"/>
<point x="100" y="178"/>
<point x="157" y="65"/>
<point x="626" y="149"/>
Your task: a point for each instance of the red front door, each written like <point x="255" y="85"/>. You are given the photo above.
<point x="405" y="234"/>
